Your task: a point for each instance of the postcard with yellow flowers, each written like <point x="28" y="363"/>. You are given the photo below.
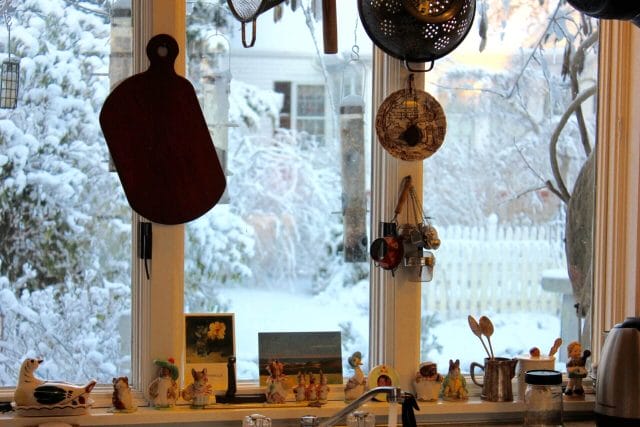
<point x="209" y="342"/>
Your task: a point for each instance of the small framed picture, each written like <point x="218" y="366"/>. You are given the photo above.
<point x="308" y="353"/>
<point x="209" y="342"/>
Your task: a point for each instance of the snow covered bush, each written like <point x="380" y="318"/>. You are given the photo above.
<point x="220" y="249"/>
<point x="65" y="246"/>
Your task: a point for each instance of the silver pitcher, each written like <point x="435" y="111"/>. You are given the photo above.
<point x="496" y="383"/>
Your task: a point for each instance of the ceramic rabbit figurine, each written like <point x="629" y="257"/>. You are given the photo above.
<point x="276" y="382"/>
<point x="300" y="389"/>
<point x="199" y="392"/>
<point x="323" y="388"/>
<point x="454" y="386"/>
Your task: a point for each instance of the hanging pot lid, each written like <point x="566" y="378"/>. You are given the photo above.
<point x="411" y="124"/>
<point x="417" y="30"/>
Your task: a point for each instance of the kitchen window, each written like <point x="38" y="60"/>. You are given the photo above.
<point x="158" y="309"/>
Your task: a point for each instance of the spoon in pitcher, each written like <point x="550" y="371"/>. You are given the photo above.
<point x="486" y="327"/>
<point x="556" y="345"/>
<point x="475" y="328"/>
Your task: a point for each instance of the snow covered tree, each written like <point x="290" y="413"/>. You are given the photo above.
<point x="514" y="169"/>
<point x="65" y="247"/>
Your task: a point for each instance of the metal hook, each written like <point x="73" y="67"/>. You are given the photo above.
<point x="355" y="52"/>
<point x="416" y="70"/>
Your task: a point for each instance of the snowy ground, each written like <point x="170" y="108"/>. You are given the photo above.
<point x="514" y="333"/>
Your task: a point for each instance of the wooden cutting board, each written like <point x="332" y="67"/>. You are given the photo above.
<point x="159" y="141"/>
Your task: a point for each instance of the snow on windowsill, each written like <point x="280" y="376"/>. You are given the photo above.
<point x="472" y="411"/>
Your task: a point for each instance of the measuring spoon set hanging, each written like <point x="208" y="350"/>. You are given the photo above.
<point x="407" y="244"/>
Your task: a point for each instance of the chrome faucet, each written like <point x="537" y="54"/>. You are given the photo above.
<point x="394" y="394"/>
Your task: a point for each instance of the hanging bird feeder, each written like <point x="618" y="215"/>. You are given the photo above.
<point x="354" y="204"/>
<point x="10" y="73"/>
<point x="215" y="74"/>
<point x="9" y="83"/>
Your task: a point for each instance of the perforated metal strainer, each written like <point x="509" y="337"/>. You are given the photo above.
<point x="417" y="30"/>
<point x="247" y="11"/>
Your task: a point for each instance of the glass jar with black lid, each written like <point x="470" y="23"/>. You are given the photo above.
<point x="543" y="398"/>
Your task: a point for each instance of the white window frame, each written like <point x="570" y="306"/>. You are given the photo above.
<point x="617" y="232"/>
<point x="158" y="321"/>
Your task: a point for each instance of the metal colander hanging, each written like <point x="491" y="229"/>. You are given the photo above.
<point x="417" y="30"/>
<point x="247" y="11"/>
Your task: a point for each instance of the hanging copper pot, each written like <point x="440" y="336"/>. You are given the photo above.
<point x="388" y="250"/>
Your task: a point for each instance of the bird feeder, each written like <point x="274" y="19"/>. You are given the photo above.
<point x="215" y="77"/>
<point x="354" y="207"/>
<point x="10" y="73"/>
<point x="9" y="82"/>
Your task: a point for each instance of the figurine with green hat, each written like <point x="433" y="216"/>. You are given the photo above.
<point x="163" y="391"/>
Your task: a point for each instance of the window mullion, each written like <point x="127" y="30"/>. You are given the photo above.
<point x="616" y="247"/>
<point x="158" y="303"/>
<point x="395" y="301"/>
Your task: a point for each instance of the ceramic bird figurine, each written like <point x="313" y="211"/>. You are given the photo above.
<point x="33" y="391"/>
<point x="356" y="384"/>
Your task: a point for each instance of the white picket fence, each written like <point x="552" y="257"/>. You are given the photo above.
<point x="494" y="269"/>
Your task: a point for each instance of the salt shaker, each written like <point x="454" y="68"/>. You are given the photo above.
<point x="543" y="398"/>
<point x="309" y="421"/>
<point x="361" y="419"/>
<point x="256" y="420"/>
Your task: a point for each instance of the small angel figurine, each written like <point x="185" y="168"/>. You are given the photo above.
<point x="163" y="391"/>
<point x="427" y="382"/>
<point x="576" y="370"/>
<point x="356" y="384"/>
<point x="199" y="393"/>
<point x="300" y="389"/>
<point x="454" y="386"/>
<point x="276" y="382"/>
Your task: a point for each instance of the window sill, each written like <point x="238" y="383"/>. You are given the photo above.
<point x="473" y="411"/>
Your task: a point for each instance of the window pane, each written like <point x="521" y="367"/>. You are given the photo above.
<point x="310" y="100"/>
<point x="273" y="251"/>
<point x="65" y="224"/>
<point x="491" y="192"/>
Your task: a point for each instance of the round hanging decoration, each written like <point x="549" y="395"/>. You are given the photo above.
<point x="411" y="124"/>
